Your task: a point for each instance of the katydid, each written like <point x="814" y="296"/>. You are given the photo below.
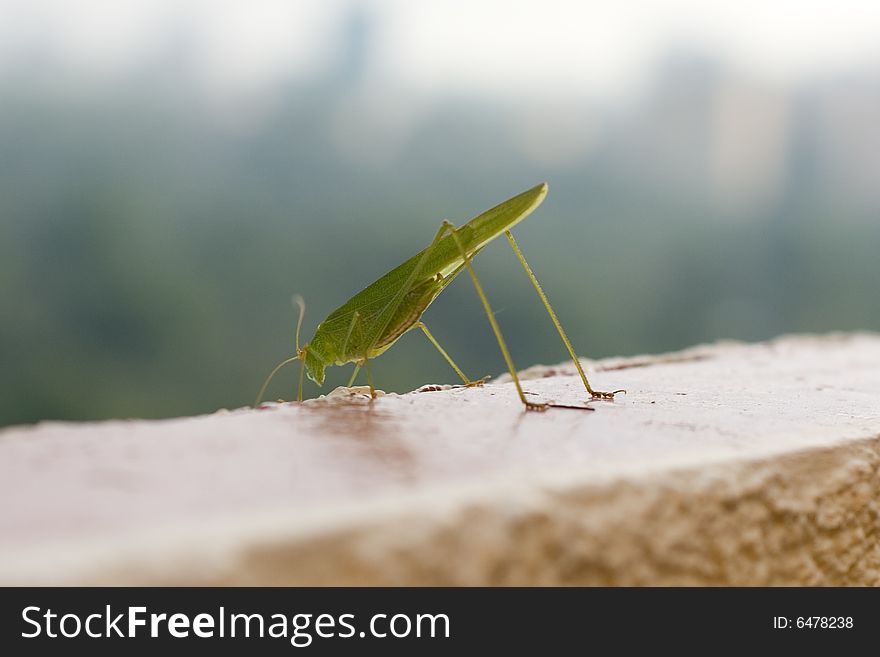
<point x="376" y="317"/>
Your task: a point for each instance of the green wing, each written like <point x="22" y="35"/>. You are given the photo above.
<point x="380" y="302"/>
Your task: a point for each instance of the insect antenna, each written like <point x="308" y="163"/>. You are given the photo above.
<point x="301" y="304"/>
<point x="271" y="376"/>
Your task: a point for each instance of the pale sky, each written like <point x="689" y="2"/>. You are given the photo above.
<point x="468" y="46"/>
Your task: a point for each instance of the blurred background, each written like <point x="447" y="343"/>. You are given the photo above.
<point x="171" y="172"/>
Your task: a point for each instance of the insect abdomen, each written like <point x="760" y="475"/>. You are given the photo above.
<point x="414" y="305"/>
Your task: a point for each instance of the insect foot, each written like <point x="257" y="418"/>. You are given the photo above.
<point x="606" y="395"/>
<point x="534" y="406"/>
<point x="478" y="382"/>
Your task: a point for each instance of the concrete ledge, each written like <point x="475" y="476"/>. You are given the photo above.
<point x="725" y="464"/>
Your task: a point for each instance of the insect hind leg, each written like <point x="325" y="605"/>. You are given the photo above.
<point x="505" y="352"/>
<point x="594" y="394"/>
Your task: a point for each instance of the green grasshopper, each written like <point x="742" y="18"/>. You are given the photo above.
<point x="366" y="325"/>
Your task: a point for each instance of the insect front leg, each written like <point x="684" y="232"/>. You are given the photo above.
<point x="357" y="368"/>
<point x="594" y="394"/>
<point x="357" y="323"/>
<point x="369" y="378"/>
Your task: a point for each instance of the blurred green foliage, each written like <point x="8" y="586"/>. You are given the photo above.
<point x="148" y="254"/>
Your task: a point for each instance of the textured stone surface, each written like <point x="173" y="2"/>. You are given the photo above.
<point x="725" y="464"/>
